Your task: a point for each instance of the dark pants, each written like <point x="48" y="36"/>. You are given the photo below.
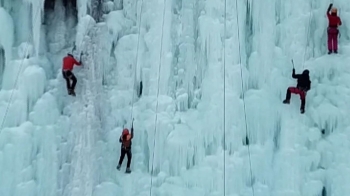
<point x="122" y="155"/>
<point x="68" y="75"/>
<point x="332" y="33"/>
<point x="298" y="91"/>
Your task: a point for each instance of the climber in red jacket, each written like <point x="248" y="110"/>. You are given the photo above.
<point x="68" y="64"/>
<point x="126" y="141"/>
<point x="332" y="31"/>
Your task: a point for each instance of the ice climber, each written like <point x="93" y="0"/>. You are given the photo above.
<point x="68" y="64"/>
<point x="125" y="139"/>
<point x="332" y="31"/>
<point x="303" y="86"/>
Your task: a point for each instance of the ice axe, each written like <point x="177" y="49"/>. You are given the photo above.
<point x="293" y="63"/>
<point x="81" y="54"/>
<point x="74" y="47"/>
<point x="124" y="123"/>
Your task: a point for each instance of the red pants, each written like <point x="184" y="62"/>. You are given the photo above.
<point x="295" y="90"/>
<point x="332" y="38"/>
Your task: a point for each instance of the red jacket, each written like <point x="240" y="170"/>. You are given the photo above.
<point x="68" y="63"/>
<point x="333" y="20"/>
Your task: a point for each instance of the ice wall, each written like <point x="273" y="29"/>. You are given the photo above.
<point x="6" y="37"/>
<point x="198" y="122"/>
<point x="56" y="28"/>
<point x="22" y="16"/>
<point x="42" y="152"/>
<point x="213" y="84"/>
<point x="37" y="7"/>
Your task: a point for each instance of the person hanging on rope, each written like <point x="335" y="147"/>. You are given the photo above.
<point x="125" y="139"/>
<point x="332" y="31"/>
<point x="68" y="64"/>
<point x="303" y="85"/>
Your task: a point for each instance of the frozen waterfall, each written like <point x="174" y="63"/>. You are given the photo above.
<point x="210" y="120"/>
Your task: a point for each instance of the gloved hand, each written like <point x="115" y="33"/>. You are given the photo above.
<point x="330" y="6"/>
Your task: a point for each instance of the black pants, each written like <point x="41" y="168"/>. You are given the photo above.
<point x="68" y="75"/>
<point x="122" y="155"/>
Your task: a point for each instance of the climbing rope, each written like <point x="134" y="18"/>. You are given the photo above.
<point x="137" y="57"/>
<point x="156" y="118"/>
<point x="307" y="35"/>
<point x="20" y="68"/>
<point x="243" y="98"/>
<point x="17" y="77"/>
<point x="224" y="119"/>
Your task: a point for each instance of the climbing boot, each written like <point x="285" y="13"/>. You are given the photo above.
<point x="288" y="95"/>
<point x="286" y="101"/>
<point x="302" y="107"/>
<point x="128" y="170"/>
<point x="118" y="167"/>
<point x="71" y="92"/>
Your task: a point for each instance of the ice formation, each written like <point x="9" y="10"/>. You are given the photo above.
<point x="6" y="38"/>
<point x="210" y="120"/>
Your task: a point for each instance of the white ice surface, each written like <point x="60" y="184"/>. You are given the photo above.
<point x="54" y="144"/>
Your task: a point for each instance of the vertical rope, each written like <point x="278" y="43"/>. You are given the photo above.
<point x="224" y="119"/>
<point x="17" y="77"/>
<point x="156" y="118"/>
<point x="137" y="57"/>
<point x="243" y="97"/>
<point x="307" y="35"/>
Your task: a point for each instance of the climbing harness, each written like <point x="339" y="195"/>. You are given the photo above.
<point x="243" y="98"/>
<point x="17" y="77"/>
<point x="156" y="118"/>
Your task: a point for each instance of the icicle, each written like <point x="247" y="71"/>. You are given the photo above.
<point x="84" y="26"/>
<point x="108" y="7"/>
<point x="40" y="110"/>
<point x="37" y="8"/>
<point x="83" y="8"/>
<point x="6" y="35"/>
<point x="16" y="156"/>
<point x="17" y="112"/>
<point x="32" y="84"/>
